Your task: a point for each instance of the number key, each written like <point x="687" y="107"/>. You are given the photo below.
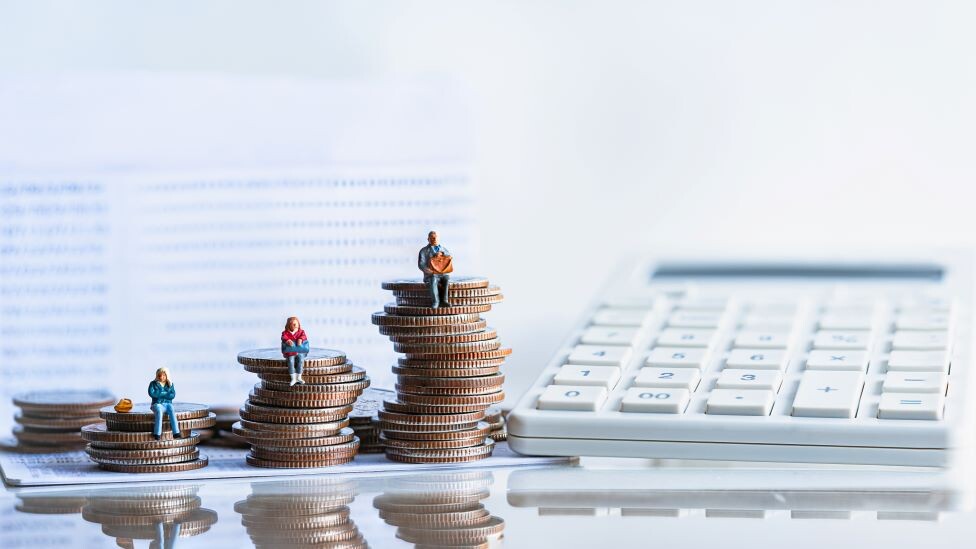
<point x="598" y="355"/>
<point x="762" y="340"/>
<point x="677" y="378"/>
<point x="676" y="357"/>
<point x="602" y="376"/>
<point x="604" y="335"/>
<point x="685" y="337"/>
<point x="661" y="401"/>
<point x="769" y="380"/>
<point x="572" y="397"/>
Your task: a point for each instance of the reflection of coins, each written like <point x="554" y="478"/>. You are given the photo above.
<point x="315" y="357"/>
<point x="99" y="435"/>
<point x="421" y="331"/>
<point x="427" y="312"/>
<point x="185" y="424"/>
<point x="449" y="362"/>
<point x="388" y="319"/>
<point x="63" y="400"/>
<point x="143" y="413"/>
<point x="455" y="300"/>
<point x="482" y="355"/>
<point x="199" y="463"/>
<point x="453" y="283"/>
<point x="458" y="519"/>
<point x="448" y="348"/>
<point x="480" y="335"/>
<point x="452" y="536"/>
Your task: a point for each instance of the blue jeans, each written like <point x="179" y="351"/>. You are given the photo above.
<point x="295" y="363"/>
<point x="158" y="411"/>
<point x="437" y="285"/>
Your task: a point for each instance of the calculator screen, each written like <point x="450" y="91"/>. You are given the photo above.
<point x="927" y="272"/>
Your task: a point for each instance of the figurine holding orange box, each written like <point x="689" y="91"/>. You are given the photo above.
<point x="436" y="262"/>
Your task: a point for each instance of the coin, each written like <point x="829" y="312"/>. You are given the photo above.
<point x="426" y="419"/>
<point x="444" y="330"/>
<point x="199" y="463"/>
<point x="392" y="319"/>
<point x="178" y="458"/>
<point x="449" y="362"/>
<point x="491" y="381"/>
<point x="63" y="400"/>
<point x="55" y="424"/>
<point x="283" y="369"/>
<point x="431" y="444"/>
<point x="414" y="390"/>
<point x="480" y="432"/>
<point x="294" y="415"/>
<point x="454" y="536"/>
<point x="455" y="300"/>
<point x="356" y="374"/>
<point x="453" y="283"/>
<point x="482" y="355"/>
<point x="344" y="435"/>
<point x="44" y="437"/>
<point x="316" y="357"/>
<point x="258" y="462"/>
<point x="315" y="388"/>
<point x="481" y="335"/>
<point x="142" y="412"/>
<point x="310" y="429"/>
<point x="185" y="425"/>
<point x="99" y="434"/>
<point x="493" y="415"/>
<point x="459" y="519"/>
<point x="106" y="453"/>
<point x="499" y="435"/>
<point x="454" y="292"/>
<point x="446" y="372"/>
<point x="339" y="450"/>
<point x="259" y="436"/>
<point x="301" y="400"/>
<point x="402" y="407"/>
<point x="427" y="428"/>
<point x="448" y="348"/>
<point x="428" y="312"/>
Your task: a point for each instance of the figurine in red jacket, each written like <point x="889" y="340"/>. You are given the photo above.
<point x="294" y="347"/>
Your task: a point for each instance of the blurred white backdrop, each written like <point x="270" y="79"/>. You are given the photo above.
<point x="606" y="127"/>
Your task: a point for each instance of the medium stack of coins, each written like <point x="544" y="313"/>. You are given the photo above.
<point x="448" y="376"/>
<point x="50" y="420"/>
<point x="301" y="513"/>
<point x="365" y="422"/>
<point x="125" y="443"/>
<point x="149" y="513"/>
<point x="443" y="510"/>
<point x="300" y="426"/>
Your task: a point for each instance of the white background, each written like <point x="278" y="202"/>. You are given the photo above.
<point x="608" y="127"/>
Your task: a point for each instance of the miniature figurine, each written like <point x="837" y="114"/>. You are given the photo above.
<point x="294" y="347"/>
<point x="435" y="262"/>
<point x="162" y="392"/>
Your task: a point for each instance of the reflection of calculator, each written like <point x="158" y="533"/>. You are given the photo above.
<point x="797" y="362"/>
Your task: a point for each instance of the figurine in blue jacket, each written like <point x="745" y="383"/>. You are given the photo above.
<point x="162" y="392"/>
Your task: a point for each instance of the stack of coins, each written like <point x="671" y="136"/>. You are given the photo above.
<point x="158" y="513"/>
<point x="223" y="434"/>
<point x="49" y="421"/>
<point x="125" y="443"/>
<point x="496" y="420"/>
<point x="449" y="373"/>
<point x="365" y="422"/>
<point x="442" y="511"/>
<point x="52" y="503"/>
<point x="300" y="426"/>
<point x="301" y="513"/>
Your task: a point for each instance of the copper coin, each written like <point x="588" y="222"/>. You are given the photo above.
<point x="308" y="416"/>
<point x="427" y="428"/>
<point x="179" y="458"/>
<point x="368" y="403"/>
<point x="424" y="419"/>
<point x="443" y="391"/>
<point x="355" y="374"/>
<point x="422" y="331"/>
<point x="446" y="363"/>
<point x="430" y="444"/>
<point x="126" y="520"/>
<point x="305" y="538"/>
<point x="199" y="463"/>
<point x="446" y="372"/>
<point x="454" y="292"/>
<point x="256" y="517"/>
<point x="402" y="407"/>
<point x="449" y="536"/>
<point x="327" y="400"/>
<point x="390" y="505"/>
<point x="480" y="431"/>
<point x="315" y="388"/>
<point x="339" y="450"/>
<point x="99" y="434"/>
<point x="455" y="300"/>
<point x="142" y="412"/>
<point x="343" y="436"/>
<point x="278" y="442"/>
<point x="185" y="425"/>
<point x="448" y="348"/>
<point x="491" y="381"/>
<point x="56" y="424"/>
<point x="482" y="355"/>
<point x="453" y="283"/>
<point x="459" y="519"/>
<point x="283" y="369"/>
<point x="259" y="436"/>
<point x="341" y="399"/>
<point x="313" y="414"/>
<point x="306" y="464"/>
<point x="499" y="435"/>
<point x="106" y="453"/>
<point x="315" y="358"/>
<point x="493" y="414"/>
<point x="390" y="319"/>
<point x="62" y="399"/>
<point x="481" y="335"/>
<point x="445" y="453"/>
<point x="44" y="437"/>
<point x="428" y="312"/>
<point x="314" y="429"/>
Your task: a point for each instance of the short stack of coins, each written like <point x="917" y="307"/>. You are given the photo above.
<point x="301" y="513"/>
<point x="305" y="425"/>
<point x="443" y="510"/>
<point x="125" y="442"/>
<point x="365" y="422"/>
<point x="50" y="421"/>
<point x="149" y="513"/>
<point x="223" y="435"/>
<point x="496" y="420"/>
<point x="449" y="374"/>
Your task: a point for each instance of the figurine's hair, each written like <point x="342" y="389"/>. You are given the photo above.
<point x="295" y="318"/>
<point x="430" y="233"/>
<point x="169" y="380"/>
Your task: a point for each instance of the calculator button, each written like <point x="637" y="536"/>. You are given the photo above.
<point x="828" y="394"/>
<point x="695" y="319"/>
<point x="937" y="321"/>
<point x="768" y="380"/>
<point x="704" y="303"/>
<point x="918" y="361"/>
<point x="845" y="322"/>
<point x="853" y="361"/>
<point x="675" y="378"/>
<point x="762" y="340"/>
<point x="620" y="317"/>
<point x="920" y="341"/>
<point x="600" y="355"/>
<point x="572" y="397"/>
<point x="834" y="339"/>
<point x="609" y="335"/>
<point x="630" y="302"/>
<point x="911" y="406"/>
<point x="758" y="322"/>
<point x="674" y="357"/>
<point x="660" y="401"/>
<point x="738" y="402"/>
<point x="603" y="376"/>
<point x="761" y="359"/>
<point x="914" y="382"/>
<point x="685" y="337"/>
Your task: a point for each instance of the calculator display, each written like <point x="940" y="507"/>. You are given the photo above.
<point x="928" y="272"/>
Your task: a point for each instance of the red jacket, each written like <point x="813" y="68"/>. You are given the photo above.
<point x="297" y="337"/>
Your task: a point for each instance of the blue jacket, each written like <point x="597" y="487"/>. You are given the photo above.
<point x="160" y="394"/>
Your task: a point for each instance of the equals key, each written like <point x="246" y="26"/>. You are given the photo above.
<point x="911" y="406"/>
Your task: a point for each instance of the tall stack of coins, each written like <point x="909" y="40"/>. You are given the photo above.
<point x="125" y="443"/>
<point x="442" y="510"/>
<point x="49" y="421"/>
<point x="301" y="513"/>
<point x="299" y="426"/>
<point x="158" y="513"/>
<point x="448" y="376"/>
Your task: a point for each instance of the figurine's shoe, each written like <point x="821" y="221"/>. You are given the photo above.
<point x="435" y="305"/>
<point x="178" y="435"/>
<point x="447" y="303"/>
<point x="300" y="380"/>
<point x="157" y="437"/>
<point x="294" y="380"/>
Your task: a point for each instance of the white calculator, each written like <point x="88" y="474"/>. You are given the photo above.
<point x="856" y="362"/>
